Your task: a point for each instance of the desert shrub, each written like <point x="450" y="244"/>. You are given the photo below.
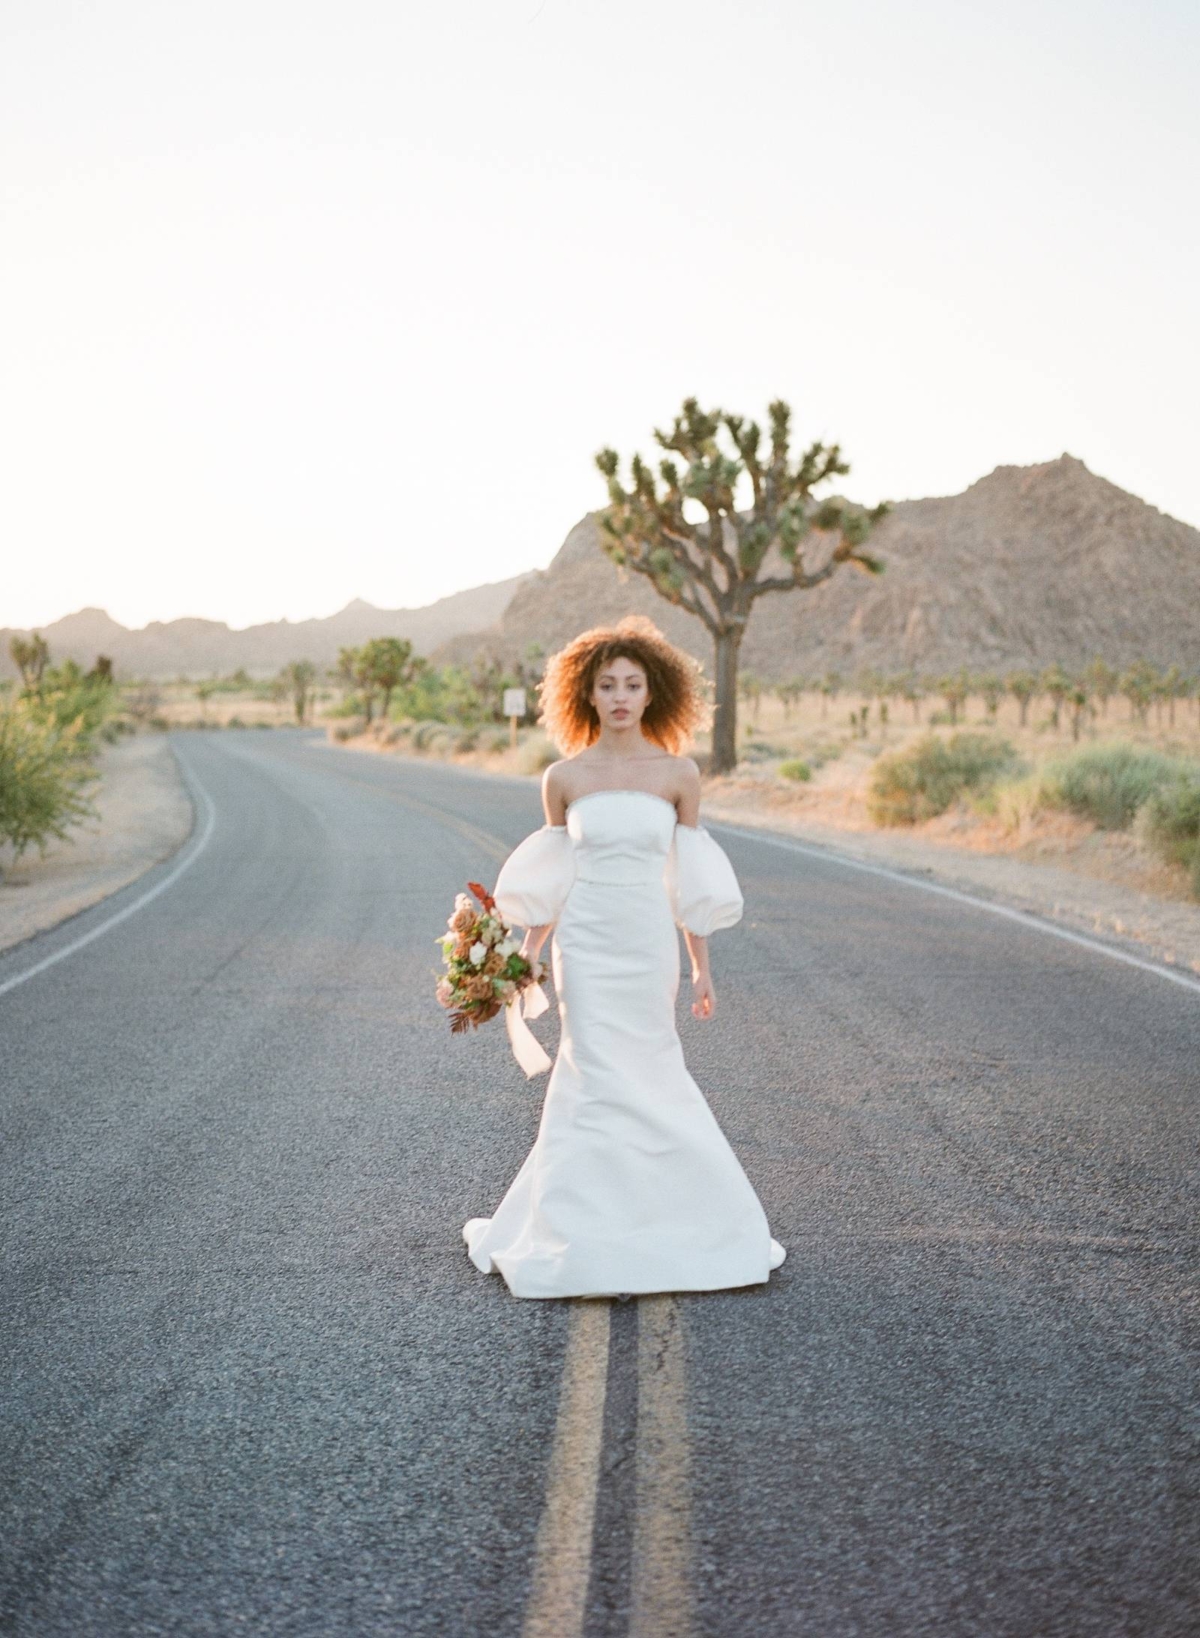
<point x="1108" y="783"/>
<point x="348" y="728"/>
<point x="924" y="779"/>
<point x="795" y="768"/>
<point x="466" y="741"/>
<point x="235" y="722"/>
<point x="68" y="696"/>
<point x="424" y="734"/>
<point x="351" y="706"/>
<point x="1015" y="802"/>
<point x="160" y="724"/>
<point x="496" y="742"/>
<point x="44" y="768"/>
<point x="536" y="754"/>
<point x="1170" y="820"/>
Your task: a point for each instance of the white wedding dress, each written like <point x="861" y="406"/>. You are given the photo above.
<point x="631" y="1185"/>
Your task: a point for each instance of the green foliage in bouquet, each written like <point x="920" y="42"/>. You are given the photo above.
<point x="485" y="970"/>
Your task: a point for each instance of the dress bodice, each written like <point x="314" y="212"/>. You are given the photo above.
<point x="619" y="842"/>
<point x="621" y="838"/>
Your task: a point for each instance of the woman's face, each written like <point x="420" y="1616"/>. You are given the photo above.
<point x="620" y="694"/>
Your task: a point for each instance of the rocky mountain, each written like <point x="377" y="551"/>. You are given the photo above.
<point x="1030" y="565"/>
<point x="198" y="648"/>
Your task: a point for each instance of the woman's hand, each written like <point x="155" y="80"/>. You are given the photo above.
<point x="704" y="997"/>
<point x="531" y="944"/>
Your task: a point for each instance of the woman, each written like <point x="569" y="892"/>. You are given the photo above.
<point x="631" y="1186"/>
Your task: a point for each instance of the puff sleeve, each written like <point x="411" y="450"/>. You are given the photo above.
<point x="704" y="892"/>
<point x="535" y="879"/>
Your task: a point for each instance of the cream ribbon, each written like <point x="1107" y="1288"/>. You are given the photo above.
<point x="530" y="1003"/>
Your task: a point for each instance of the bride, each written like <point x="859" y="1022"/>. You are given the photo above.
<point x="631" y="1185"/>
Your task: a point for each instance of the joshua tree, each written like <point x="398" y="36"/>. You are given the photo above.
<point x="344" y="672"/>
<point x="297" y="678"/>
<point x="1138" y="684"/>
<point x="1077" y="699"/>
<point x="955" y="689"/>
<point x="527" y="673"/>
<point x="991" y="690"/>
<point x="390" y="664"/>
<point x="871" y="684"/>
<point x="831" y="684"/>
<point x="1056" y="683"/>
<point x="363" y="672"/>
<point x="30" y="658"/>
<point x="205" y="690"/>
<point x="788" y="693"/>
<point x="487" y="680"/>
<point x="910" y="688"/>
<point x="1101" y="680"/>
<point x="717" y="569"/>
<point x="1023" y="687"/>
<point x="1174" y="686"/>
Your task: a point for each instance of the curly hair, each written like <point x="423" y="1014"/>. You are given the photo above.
<point x="677" y="700"/>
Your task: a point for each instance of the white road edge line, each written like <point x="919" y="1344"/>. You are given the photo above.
<point x="152" y="893"/>
<point x="1023" y="918"/>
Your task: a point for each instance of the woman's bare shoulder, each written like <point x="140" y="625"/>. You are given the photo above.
<point x="687" y="773"/>
<point x="686" y="794"/>
<point x="559" y="785"/>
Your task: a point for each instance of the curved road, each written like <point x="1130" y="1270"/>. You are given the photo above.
<point x="253" y="1385"/>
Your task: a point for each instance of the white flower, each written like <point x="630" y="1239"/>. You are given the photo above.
<point x="506" y="948"/>
<point x="479" y="952"/>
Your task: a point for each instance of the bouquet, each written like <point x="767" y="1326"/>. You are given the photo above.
<point x="484" y="970"/>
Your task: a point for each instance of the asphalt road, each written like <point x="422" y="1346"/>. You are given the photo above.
<point x="253" y="1385"/>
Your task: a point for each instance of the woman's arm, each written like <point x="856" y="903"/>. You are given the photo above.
<point x="535" y="937"/>
<point x="555" y="807"/>
<point x="554" y="797"/>
<point x="704" y="996"/>
<point x="687" y="806"/>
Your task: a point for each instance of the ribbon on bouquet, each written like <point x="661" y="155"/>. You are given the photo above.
<point x="527" y="1050"/>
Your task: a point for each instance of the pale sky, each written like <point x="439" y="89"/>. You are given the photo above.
<point x="306" y="301"/>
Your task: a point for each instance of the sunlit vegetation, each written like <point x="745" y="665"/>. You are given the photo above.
<point x="50" y="726"/>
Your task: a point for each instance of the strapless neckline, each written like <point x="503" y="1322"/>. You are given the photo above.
<point x="621" y="790"/>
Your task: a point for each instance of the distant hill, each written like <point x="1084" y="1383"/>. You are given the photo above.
<point x="197" y="648"/>
<point x="1029" y="565"/>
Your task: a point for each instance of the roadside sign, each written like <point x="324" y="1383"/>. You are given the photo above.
<point x="514" y="702"/>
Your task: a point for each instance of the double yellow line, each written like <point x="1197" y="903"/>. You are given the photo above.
<point x="660" y="1574"/>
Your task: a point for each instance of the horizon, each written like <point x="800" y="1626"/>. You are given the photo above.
<point x="296" y="288"/>
<point x="414" y="608"/>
